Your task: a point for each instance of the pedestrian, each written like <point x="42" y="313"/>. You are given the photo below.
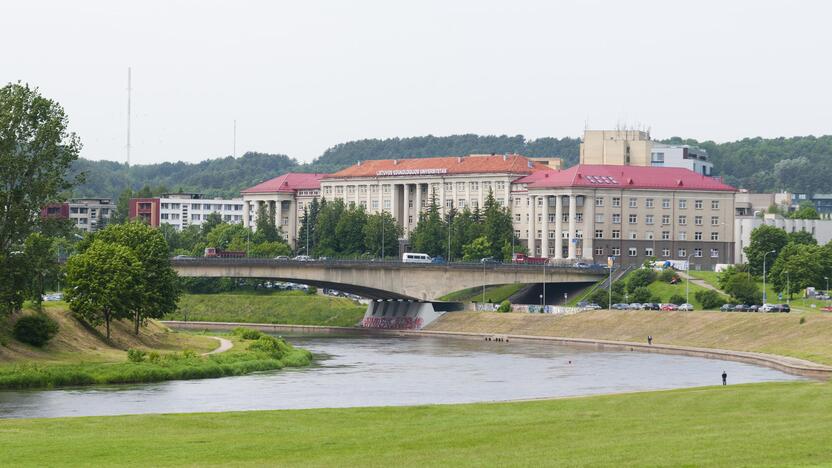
<point x="650" y="339"/>
<point x="724" y="378"/>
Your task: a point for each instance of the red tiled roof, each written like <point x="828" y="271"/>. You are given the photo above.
<point x="288" y="183"/>
<point x="475" y="164"/>
<point x="625" y="177"/>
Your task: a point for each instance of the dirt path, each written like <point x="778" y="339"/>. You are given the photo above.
<point x="225" y="345"/>
<point x="699" y="282"/>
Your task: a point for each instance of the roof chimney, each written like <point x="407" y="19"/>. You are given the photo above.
<point x="358" y="163"/>
<point x="459" y="159"/>
<point x="395" y="162"/>
<point x="505" y="156"/>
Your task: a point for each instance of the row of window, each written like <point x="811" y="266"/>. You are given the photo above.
<point x="698" y="252"/>
<point x="385" y="188"/>
<point x="632" y="235"/>
<point x="204" y="206"/>
<point x="632" y="202"/>
<point x="650" y="219"/>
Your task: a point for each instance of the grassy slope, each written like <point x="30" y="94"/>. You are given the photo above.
<point x="497" y="293"/>
<point x="748" y="425"/>
<point x="287" y="307"/>
<point x="75" y="342"/>
<point x="768" y="333"/>
<point x="665" y="290"/>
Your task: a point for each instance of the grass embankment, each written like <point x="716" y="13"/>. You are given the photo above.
<point x="290" y="307"/>
<point x="766" y="333"/>
<point x="263" y="353"/>
<point x="495" y="293"/>
<point x="743" y="425"/>
<point x="665" y="290"/>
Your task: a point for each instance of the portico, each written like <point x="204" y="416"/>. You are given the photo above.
<point x="558" y="206"/>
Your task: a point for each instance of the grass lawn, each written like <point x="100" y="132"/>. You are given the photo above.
<point x="744" y="425"/>
<point x="665" y="290"/>
<point x="497" y="293"/>
<point x="707" y="276"/>
<point x="290" y="307"/>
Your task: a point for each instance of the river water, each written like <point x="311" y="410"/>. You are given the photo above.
<point x="383" y="371"/>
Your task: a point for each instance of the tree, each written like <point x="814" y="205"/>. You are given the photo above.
<point x="708" y="298"/>
<point x="601" y="297"/>
<point x="640" y="278"/>
<point x="797" y="267"/>
<point x="764" y="239"/>
<point x="477" y="249"/>
<point x="15" y="280"/>
<point x="266" y="226"/>
<point x="498" y="227"/>
<point x="723" y="277"/>
<point x="122" y="212"/>
<point x="743" y="289"/>
<point x="306" y="235"/>
<point x="330" y="213"/>
<point x="102" y="283"/>
<point x="806" y="210"/>
<point x="270" y="249"/>
<point x="429" y="234"/>
<point x="228" y="237"/>
<point x="642" y="294"/>
<point x="677" y="299"/>
<point x="802" y="237"/>
<point x="210" y="222"/>
<point x="40" y="260"/>
<point x="350" y="231"/>
<point x="373" y="235"/>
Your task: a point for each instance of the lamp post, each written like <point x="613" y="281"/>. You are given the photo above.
<point x="610" y="263"/>
<point x="764" y="274"/>
<point x="788" y="288"/>
<point x="544" y="284"/>
<point x="687" y="283"/>
<point x="541" y="300"/>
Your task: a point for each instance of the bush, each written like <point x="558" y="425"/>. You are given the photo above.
<point x="247" y="333"/>
<point x="136" y="355"/>
<point x="311" y="290"/>
<point x="641" y="294"/>
<point x="709" y="299"/>
<point x="274" y="347"/>
<point x="677" y="299"/>
<point x="154" y="357"/>
<point x="802" y="320"/>
<point x="640" y="278"/>
<point x="667" y="275"/>
<point x="505" y="306"/>
<point x="188" y="354"/>
<point x="35" y="330"/>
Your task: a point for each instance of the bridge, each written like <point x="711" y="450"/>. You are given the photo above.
<point x="386" y="280"/>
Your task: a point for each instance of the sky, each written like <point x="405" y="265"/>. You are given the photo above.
<point x="299" y="77"/>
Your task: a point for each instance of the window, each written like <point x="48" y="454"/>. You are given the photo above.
<point x="683" y="235"/>
<point x="500" y="185"/>
<point x="633" y="202"/>
<point x="195" y="206"/>
<point x="579" y="217"/>
<point x="682" y="253"/>
<point x="599" y="251"/>
<point x="697" y="220"/>
<point x="648" y="251"/>
<point x="632" y="251"/>
<point x="461" y="204"/>
<point x="714" y="253"/>
<point x="697" y="235"/>
<point x="375" y="204"/>
<point x="616" y="252"/>
<point x="714" y="204"/>
<point x="683" y="203"/>
<point x="657" y="158"/>
<point x="599" y="233"/>
<point x="165" y="206"/>
<point x="616" y="234"/>
<point x="648" y="235"/>
<point x="714" y="236"/>
<point x="460" y="186"/>
<point x="449" y="186"/>
<point x="665" y="203"/>
<point x="683" y="220"/>
<point x="552" y="234"/>
<point x="599" y="218"/>
<point x="539" y="236"/>
<point x="616" y="202"/>
<point x="665" y="235"/>
<point x="386" y="204"/>
<point x="363" y="204"/>
<point x="410" y="203"/>
<point x="599" y="201"/>
<point x="579" y="234"/>
<point x="551" y="218"/>
<point x="517" y="233"/>
<point x="648" y="203"/>
<point x="564" y="217"/>
<point x="616" y="218"/>
<point x="648" y="219"/>
<point x="633" y="235"/>
<point x="164" y="216"/>
<point x="517" y="217"/>
<point x="714" y="220"/>
<point x="409" y="220"/>
<point x="633" y="219"/>
<point x="697" y="252"/>
<point x="698" y="204"/>
<point x="474" y="186"/>
<point x="665" y="219"/>
<point x="195" y="217"/>
<point x="665" y="253"/>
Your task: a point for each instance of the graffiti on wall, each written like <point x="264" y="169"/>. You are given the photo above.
<point x="392" y="323"/>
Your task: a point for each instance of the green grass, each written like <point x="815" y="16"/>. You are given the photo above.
<point x="496" y="294"/>
<point x="286" y="307"/>
<point x="744" y="425"/>
<point x="665" y="290"/>
<point x="172" y="366"/>
<point x="706" y="276"/>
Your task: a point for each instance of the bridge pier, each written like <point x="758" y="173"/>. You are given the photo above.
<point x="399" y="314"/>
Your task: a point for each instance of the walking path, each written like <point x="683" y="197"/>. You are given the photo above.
<point x="699" y="282"/>
<point x="225" y="345"/>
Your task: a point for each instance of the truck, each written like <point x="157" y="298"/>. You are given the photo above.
<point x="214" y="252"/>
<point x="526" y="260"/>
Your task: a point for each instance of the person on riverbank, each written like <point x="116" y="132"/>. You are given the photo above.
<point x="650" y="340"/>
<point x="724" y="378"/>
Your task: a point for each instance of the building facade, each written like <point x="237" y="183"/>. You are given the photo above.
<point x="286" y="196"/>
<point x="635" y="148"/>
<point x="821" y="230"/>
<point x="181" y="210"/>
<point x="86" y="214"/>
<point x="685" y="156"/>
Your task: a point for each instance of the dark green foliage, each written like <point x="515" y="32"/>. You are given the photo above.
<point x="266" y="226"/>
<point x="601" y="297"/>
<point x="618" y="287"/>
<point x="373" y="235"/>
<point x="667" y="275"/>
<point x="136" y="355"/>
<point x="35" y="330"/>
<point x="642" y="294"/>
<point x="274" y="347"/>
<point x="247" y="333"/>
<point x="640" y="278"/>
<point x="677" y="299"/>
<point x="802" y="237"/>
<point x="764" y="239"/>
<point x="431" y="233"/>
<point x="743" y="289"/>
<point x="505" y="306"/>
<point x="806" y="210"/>
<point x="709" y="299"/>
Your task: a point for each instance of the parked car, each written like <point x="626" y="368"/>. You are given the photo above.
<point x="727" y="308"/>
<point x="439" y="260"/>
<point x="302" y="258"/>
<point x="592" y="306"/>
<point x="635" y="306"/>
<point x="768" y="308"/>
<point x="753" y="308"/>
<point x="182" y="257"/>
<point x="740" y="308"/>
<point x="582" y="265"/>
<point x="686" y="307"/>
<point x="650" y="306"/>
<point x="282" y="258"/>
<point x="669" y="307"/>
<point x="620" y="306"/>
<point x="489" y="261"/>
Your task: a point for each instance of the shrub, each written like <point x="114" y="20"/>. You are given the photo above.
<point x="677" y="299"/>
<point x="311" y="290"/>
<point x="709" y="299"/>
<point x="274" y="347"/>
<point x="188" y="354"/>
<point x="641" y="294"/>
<point x="247" y="333"/>
<point x="667" y="275"/>
<point x="35" y="330"/>
<point x="505" y="306"/>
<point x="154" y="357"/>
<point x="618" y="287"/>
<point x="136" y="355"/>
<point x="640" y="278"/>
<point x="802" y="320"/>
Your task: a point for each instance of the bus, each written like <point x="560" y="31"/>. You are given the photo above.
<point x="410" y="257"/>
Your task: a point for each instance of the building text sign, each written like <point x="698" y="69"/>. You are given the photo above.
<point x="406" y="172"/>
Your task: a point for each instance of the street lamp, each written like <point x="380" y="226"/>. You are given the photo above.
<point x="610" y="263"/>
<point x="544" y="282"/>
<point x="541" y="300"/>
<point x="788" y="288"/>
<point x="687" y="283"/>
<point x="764" y="274"/>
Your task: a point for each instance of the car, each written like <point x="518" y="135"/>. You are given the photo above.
<point x="593" y="306"/>
<point x="620" y="306"/>
<point x="489" y="261"/>
<point x="651" y="306"/>
<point x="686" y="307"/>
<point x="582" y="304"/>
<point x="438" y="260"/>
<point x="826" y="309"/>
<point x="785" y="308"/>
<point x="727" y="308"/>
<point x="302" y="258"/>
<point x="635" y="306"/>
<point x="282" y="258"/>
<point x="740" y="308"/>
<point x="768" y="308"/>
<point x="669" y="307"/>
<point x="183" y="257"/>
<point x="753" y="308"/>
<point x="582" y="265"/>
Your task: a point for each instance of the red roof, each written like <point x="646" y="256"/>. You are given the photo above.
<point x="475" y="164"/>
<point x="288" y="183"/>
<point x="625" y="177"/>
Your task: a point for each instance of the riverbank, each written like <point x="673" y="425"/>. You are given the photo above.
<point x="777" y="334"/>
<point x="292" y="307"/>
<point x="653" y="428"/>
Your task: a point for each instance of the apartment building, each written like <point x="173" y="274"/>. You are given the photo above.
<point x="635" y="148"/>
<point x="181" y="210"/>
<point x="86" y="214"/>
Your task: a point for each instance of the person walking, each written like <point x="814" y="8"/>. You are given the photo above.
<point x="650" y="339"/>
<point x="724" y="378"/>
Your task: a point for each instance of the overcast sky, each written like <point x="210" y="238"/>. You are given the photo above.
<point x="302" y="76"/>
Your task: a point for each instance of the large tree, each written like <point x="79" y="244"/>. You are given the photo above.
<point x="430" y="232"/>
<point x="266" y="225"/>
<point x="764" y="239"/>
<point x="381" y="229"/>
<point x="798" y="266"/>
<point x="350" y="231"/>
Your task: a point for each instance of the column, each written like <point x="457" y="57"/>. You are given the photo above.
<point x="532" y="215"/>
<point x="293" y="223"/>
<point x="278" y="214"/>
<point x="405" y="209"/>
<point x="246" y="214"/>
<point x="380" y="199"/>
<point x="544" y="240"/>
<point x="258" y="205"/>
<point x="589" y="227"/>
<point x="559" y="226"/>
<point x="572" y="210"/>
<point x="482" y="194"/>
<point x="369" y="198"/>
<point x="442" y="205"/>
<point x="418" y="203"/>
<point x="394" y="202"/>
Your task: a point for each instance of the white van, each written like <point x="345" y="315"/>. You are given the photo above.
<point x="409" y="257"/>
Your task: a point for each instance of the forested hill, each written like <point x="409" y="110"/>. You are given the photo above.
<point x="798" y="164"/>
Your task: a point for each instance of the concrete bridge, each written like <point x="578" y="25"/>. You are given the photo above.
<point x="386" y="280"/>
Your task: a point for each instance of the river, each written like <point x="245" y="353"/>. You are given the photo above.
<point x="382" y="371"/>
